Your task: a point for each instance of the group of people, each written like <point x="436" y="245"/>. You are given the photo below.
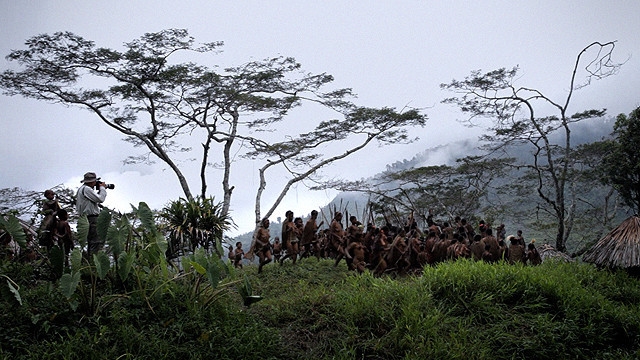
<point x="401" y="249"/>
<point x="55" y="229"/>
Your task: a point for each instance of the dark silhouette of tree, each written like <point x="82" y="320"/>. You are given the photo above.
<point x="621" y="164"/>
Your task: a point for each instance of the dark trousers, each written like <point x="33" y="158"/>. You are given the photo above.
<point x="93" y="242"/>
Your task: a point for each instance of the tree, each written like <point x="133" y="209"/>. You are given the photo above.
<point x="301" y="157"/>
<point x="515" y="121"/>
<point x="621" y="164"/>
<point x="157" y="104"/>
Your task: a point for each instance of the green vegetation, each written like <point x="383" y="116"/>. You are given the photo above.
<point x="463" y="309"/>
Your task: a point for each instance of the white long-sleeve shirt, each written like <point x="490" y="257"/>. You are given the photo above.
<point x="88" y="200"/>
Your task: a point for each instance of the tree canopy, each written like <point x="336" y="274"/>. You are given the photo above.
<point x="621" y="165"/>
<point x="156" y="101"/>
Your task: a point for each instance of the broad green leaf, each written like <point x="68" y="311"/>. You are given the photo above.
<point x="76" y="259"/>
<point x="83" y="230"/>
<point x="146" y="217"/>
<point x="162" y="244"/>
<point x="125" y="263"/>
<point x="104" y="221"/>
<point x="101" y="260"/>
<point x="186" y="264"/>
<point x="213" y="273"/>
<point x="117" y="235"/>
<point x="69" y="283"/>
<point x="199" y="268"/>
<point x="200" y="257"/>
<point x="12" y="226"/>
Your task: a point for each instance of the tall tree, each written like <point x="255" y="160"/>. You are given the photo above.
<point x="515" y="121"/>
<point x="156" y="104"/>
<point x="621" y="165"/>
<point x="304" y="155"/>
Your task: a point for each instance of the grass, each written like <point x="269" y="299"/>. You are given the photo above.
<point x="313" y="310"/>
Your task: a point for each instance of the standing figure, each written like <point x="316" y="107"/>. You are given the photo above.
<point x="310" y="236"/>
<point x="231" y="254"/>
<point x="262" y="245"/>
<point x="358" y="252"/>
<point x="62" y="234"/>
<point x="88" y="204"/>
<point x="337" y="237"/>
<point x="277" y="248"/>
<point x="516" y="251"/>
<point x="289" y="239"/>
<point x="520" y="238"/>
<point x="237" y="255"/>
<point x="494" y="246"/>
<point x="533" y="256"/>
<point x="49" y="210"/>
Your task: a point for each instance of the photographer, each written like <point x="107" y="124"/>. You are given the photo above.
<point x="88" y="204"/>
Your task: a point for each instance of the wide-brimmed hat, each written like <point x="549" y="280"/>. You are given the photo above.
<point x="89" y="177"/>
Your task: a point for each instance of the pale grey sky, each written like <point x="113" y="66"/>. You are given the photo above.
<point x="392" y="53"/>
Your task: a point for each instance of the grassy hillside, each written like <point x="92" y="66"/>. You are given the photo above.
<point x="313" y="310"/>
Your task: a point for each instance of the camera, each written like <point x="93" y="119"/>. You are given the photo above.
<point x="106" y="186"/>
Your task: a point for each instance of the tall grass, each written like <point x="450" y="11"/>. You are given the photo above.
<point x="457" y="310"/>
<point x="313" y="310"/>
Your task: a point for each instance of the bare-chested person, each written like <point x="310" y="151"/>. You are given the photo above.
<point x="277" y="248"/>
<point x="353" y="230"/>
<point x="516" y="251"/>
<point x="458" y="249"/>
<point x="369" y="239"/>
<point x="447" y="229"/>
<point x="231" y="254"/>
<point x="415" y="262"/>
<point x="237" y="255"/>
<point x="309" y="241"/>
<point x="358" y="252"/>
<point x="337" y="237"/>
<point x="476" y="247"/>
<point x="380" y="248"/>
<point x="491" y="240"/>
<point x="487" y="256"/>
<point x="262" y="245"/>
<point x="396" y="256"/>
<point x="429" y="243"/>
<point x="520" y="238"/>
<point x="533" y="256"/>
<point x="440" y="248"/>
<point x="289" y="239"/>
<point x="468" y="229"/>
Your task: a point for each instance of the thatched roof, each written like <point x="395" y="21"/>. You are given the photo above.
<point x="618" y="249"/>
<point x="549" y="252"/>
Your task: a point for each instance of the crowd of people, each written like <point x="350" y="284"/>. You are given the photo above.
<point x="401" y="248"/>
<point x="390" y="248"/>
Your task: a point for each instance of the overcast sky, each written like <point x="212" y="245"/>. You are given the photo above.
<point x="392" y="53"/>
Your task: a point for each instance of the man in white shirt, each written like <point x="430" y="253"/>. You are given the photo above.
<point x="87" y="203"/>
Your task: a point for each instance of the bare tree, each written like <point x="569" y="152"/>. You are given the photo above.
<point x="515" y="121"/>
